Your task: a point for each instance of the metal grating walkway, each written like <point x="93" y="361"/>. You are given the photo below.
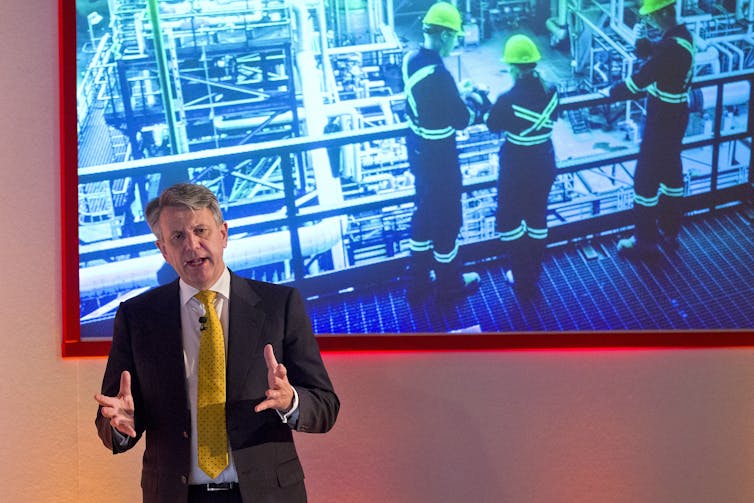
<point x="707" y="283"/>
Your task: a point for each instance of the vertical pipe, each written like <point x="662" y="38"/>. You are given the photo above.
<point x="328" y="187"/>
<point x="328" y="76"/>
<point x="125" y="90"/>
<point x="371" y="21"/>
<point x="162" y="69"/>
<point x="719" y="109"/>
<point x="297" y="258"/>
<point x="562" y="11"/>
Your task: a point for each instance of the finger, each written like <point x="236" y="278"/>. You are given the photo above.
<point x="278" y="379"/>
<point x="269" y="358"/>
<point x="125" y="383"/>
<point x="281" y="372"/>
<point x="272" y="394"/>
<point x="123" y="427"/>
<point x="266" y="404"/>
<point x="276" y="399"/>
<point x="105" y="401"/>
<point x="108" y="412"/>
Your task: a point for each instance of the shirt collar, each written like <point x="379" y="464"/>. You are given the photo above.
<point x="221" y="286"/>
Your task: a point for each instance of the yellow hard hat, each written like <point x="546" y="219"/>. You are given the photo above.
<point x="519" y="50"/>
<point x="445" y="15"/>
<point x="650" y="6"/>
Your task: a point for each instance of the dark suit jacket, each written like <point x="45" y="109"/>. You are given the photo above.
<point x="147" y="342"/>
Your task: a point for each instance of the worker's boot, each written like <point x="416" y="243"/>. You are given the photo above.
<point x="632" y="248"/>
<point x="452" y="283"/>
<point x="421" y="278"/>
<point x="525" y="258"/>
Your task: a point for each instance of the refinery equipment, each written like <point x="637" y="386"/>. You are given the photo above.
<point x="292" y="112"/>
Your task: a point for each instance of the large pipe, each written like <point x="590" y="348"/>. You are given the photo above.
<point x="557" y="25"/>
<point x="390" y="14"/>
<point x="708" y="56"/>
<point x="705" y="98"/>
<point x="309" y="76"/>
<point x="557" y="31"/>
<point x="735" y="49"/>
<point x="223" y="124"/>
<point x="328" y="187"/>
<point x="241" y="254"/>
<point x="331" y="88"/>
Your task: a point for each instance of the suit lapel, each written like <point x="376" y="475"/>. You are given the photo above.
<point x="245" y="323"/>
<point x="169" y="344"/>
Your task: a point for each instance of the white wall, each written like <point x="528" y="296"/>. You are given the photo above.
<point x="550" y="426"/>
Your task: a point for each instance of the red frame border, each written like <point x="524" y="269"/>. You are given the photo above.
<point x="73" y="346"/>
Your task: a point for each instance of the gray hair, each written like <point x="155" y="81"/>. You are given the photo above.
<point x="189" y="196"/>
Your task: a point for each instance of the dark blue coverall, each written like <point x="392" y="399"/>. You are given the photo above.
<point x="658" y="179"/>
<point x="435" y="111"/>
<point x="527" y="170"/>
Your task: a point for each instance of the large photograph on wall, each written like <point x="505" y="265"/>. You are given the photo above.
<point x="294" y="113"/>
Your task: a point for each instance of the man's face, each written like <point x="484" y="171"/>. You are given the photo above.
<point x="651" y="20"/>
<point x="660" y="19"/>
<point x="193" y="244"/>
<point x="448" y="42"/>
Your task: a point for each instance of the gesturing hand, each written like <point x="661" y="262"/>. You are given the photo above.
<point x="119" y="409"/>
<point x="280" y="393"/>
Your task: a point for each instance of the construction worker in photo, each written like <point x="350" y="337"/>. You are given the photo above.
<point x="525" y="114"/>
<point x="658" y="179"/>
<point x="436" y="110"/>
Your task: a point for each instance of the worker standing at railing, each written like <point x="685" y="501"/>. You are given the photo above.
<point x="658" y="180"/>
<point x="526" y="114"/>
<point x="435" y="112"/>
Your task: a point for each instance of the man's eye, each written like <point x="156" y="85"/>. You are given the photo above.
<point x="201" y="231"/>
<point x="177" y="235"/>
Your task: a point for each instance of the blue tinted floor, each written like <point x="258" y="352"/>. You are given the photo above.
<point x="707" y="283"/>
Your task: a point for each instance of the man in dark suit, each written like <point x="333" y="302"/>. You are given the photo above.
<point x="154" y="369"/>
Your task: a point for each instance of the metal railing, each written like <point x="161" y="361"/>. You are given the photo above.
<point x="296" y="216"/>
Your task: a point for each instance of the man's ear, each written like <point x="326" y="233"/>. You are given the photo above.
<point x="225" y="234"/>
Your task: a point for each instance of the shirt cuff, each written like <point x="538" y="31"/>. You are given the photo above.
<point x="119" y="438"/>
<point x="292" y="415"/>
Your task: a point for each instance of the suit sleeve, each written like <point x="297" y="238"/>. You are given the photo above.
<point x="318" y="403"/>
<point x="120" y="359"/>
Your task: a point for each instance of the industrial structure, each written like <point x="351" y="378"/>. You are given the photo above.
<point x="292" y="112"/>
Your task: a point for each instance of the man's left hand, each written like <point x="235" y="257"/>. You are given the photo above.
<point x="280" y="393"/>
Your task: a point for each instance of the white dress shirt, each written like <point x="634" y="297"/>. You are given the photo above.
<point x="191" y="311"/>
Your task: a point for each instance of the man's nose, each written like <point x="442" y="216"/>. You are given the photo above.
<point x="192" y="241"/>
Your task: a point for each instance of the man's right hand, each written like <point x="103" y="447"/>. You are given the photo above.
<point x="120" y="409"/>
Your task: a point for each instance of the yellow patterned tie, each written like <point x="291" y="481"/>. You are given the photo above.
<point x="212" y="437"/>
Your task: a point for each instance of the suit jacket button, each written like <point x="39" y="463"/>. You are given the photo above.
<point x="184" y="479"/>
<point x="185" y="434"/>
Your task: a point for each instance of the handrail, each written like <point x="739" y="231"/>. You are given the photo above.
<point x="307" y="143"/>
<point x="288" y="147"/>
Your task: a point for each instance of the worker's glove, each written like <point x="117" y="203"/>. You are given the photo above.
<point x="643" y="48"/>
<point x="465" y="88"/>
<point x="479" y="102"/>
